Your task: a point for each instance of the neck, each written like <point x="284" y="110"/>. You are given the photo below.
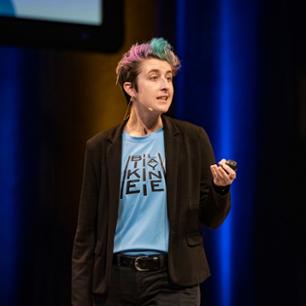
<point x="140" y="124"/>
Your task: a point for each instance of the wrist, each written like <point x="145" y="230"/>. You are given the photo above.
<point x="221" y="189"/>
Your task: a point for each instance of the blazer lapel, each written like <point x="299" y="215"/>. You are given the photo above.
<point x="171" y="139"/>
<point x="113" y="160"/>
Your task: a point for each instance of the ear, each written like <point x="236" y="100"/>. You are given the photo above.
<point x="129" y="89"/>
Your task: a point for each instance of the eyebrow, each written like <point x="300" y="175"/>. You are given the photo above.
<point x="157" y="70"/>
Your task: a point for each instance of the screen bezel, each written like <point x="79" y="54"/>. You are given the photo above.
<point x="107" y="37"/>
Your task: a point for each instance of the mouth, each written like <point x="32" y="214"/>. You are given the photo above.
<point x="163" y="98"/>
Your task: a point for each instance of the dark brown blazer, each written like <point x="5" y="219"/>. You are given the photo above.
<point x="191" y="199"/>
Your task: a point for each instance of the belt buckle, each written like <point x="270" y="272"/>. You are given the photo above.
<point x="136" y="264"/>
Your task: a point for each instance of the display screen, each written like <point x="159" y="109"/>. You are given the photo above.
<point x="71" y="11"/>
<point x="82" y="24"/>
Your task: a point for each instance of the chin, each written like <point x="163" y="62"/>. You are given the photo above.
<point x="162" y="110"/>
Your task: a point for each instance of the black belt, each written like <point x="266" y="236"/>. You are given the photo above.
<point x="141" y="263"/>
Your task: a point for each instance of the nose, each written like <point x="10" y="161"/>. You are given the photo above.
<point x="165" y="84"/>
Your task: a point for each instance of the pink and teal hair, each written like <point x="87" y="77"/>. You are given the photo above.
<point x="128" y="67"/>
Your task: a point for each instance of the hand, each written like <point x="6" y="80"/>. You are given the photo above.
<point x="223" y="175"/>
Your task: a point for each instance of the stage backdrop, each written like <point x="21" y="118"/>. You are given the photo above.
<point x="243" y="79"/>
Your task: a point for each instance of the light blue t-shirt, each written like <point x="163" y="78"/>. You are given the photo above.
<point x="142" y="225"/>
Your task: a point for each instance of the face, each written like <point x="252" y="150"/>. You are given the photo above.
<point x="155" y="86"/>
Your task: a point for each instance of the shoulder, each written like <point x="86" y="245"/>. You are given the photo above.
<point x="185" y="127"/>
<point x="103" y="138"/>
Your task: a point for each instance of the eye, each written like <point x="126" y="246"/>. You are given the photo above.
<point x="169" y="78"/>
<point x="153" y="77"/>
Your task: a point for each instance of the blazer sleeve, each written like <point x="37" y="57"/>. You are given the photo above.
<point x="85" y="236"/>
<point x="214" y="206"/>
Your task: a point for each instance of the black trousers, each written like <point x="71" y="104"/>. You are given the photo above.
<point x="134" y="288"/>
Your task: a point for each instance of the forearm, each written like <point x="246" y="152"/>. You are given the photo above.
<point x="214" y="207"/>
<point x="85" y="236"/>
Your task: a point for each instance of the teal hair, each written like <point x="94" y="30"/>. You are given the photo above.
<point x="160" y="47"/>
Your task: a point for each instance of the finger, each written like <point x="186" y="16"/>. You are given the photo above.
<point x="219" y="177"/>
<point x="215" y="175"/>
<point x="222" y="174"/>
<point x="226" y="167"/>
<point x="222" y="161"/>
<point x="227" y="178"/>
<point x="232" y="176"/>
<point x="213" y="170"/>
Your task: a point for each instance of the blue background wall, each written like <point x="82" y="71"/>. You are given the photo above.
<point x="242" y="79"/>
<point x="242" y="71"/>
